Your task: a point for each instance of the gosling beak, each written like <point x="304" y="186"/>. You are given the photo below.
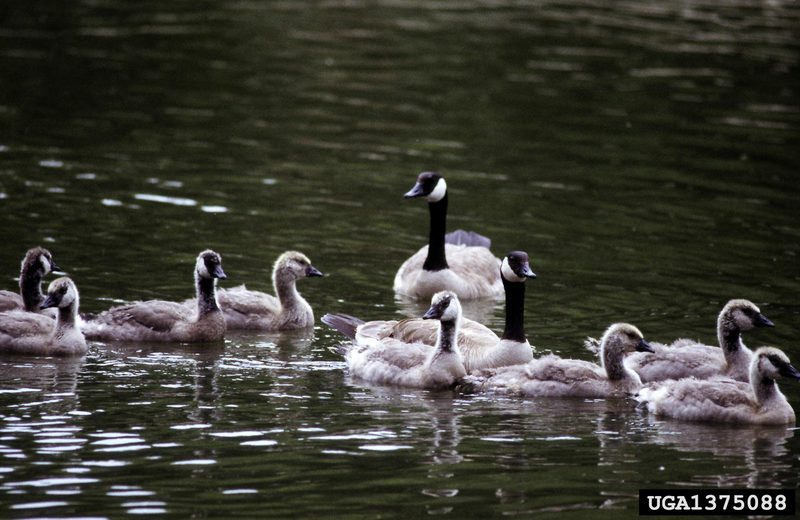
<point x="762" y="321"/>
<point x="313" y="271"/>
<point x="434" y="313"/>
<point x="417" y="191"/>
<point x="790" y="371"/>
<point x="49" y="302"/>
<point x="644" y="346"/>
<point x="219" y="273"/>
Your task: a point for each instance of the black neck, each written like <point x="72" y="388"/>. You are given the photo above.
<point x="206" y="295"/>
<point x="436" y="260"/>
<point x="731" y="339"/>
<point x="515" y="310"/>
<point x="446" y="335"/>
<point x="30" y="288"/>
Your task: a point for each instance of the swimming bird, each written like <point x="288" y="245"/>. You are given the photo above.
<point x="158" y="320"/>
<point x="389" y="361"/>
<point x="553" y="376"/>
<point x="480" y="347"/>
<point x="725" y="400"/>
<point x="687" y="358"/>
<point x="30" y="333"/>
<point x="255" y="310"/>
<point x="465" y="267"/>
<point x="37" y="263"/>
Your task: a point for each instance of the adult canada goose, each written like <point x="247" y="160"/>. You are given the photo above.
<point x="480" y="347"/>
<point x="255" y="310"/>
<point x="686" y="358"/>
<point x="723" y="399"/>
<point x="157" y="320"/>
<point x="37" y="264"/>
<point x="552" y="376"/>
<point x="465" y="267"/>
<point x="389" y="361"/>
<point x="30" y="333"/>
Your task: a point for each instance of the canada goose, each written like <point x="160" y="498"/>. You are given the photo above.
<point x="390" y="361"/>
<point x="465" y="267"/>
<point x="686" y="358"/>
<point x="34" y="334"/>
<point x="480" y="347"/>
<point x="37" y="264"/>
<point x="552" y="376"/>
<point x="723" y="399"/>
<point x="158" y="320"/>
<point x="255" y="310"/>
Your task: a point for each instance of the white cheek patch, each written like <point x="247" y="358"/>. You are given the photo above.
<point x="201" y="269"/>
<point x="452" y="311"/>
<point x="48" y="267"/>
<point x="509" y="273"/>
<point x="69" y="297"/>
<point x="438" y="192"/>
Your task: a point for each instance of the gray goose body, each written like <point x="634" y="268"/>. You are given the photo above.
<point x="165" y="321"/>
<point x="28" y="333"/>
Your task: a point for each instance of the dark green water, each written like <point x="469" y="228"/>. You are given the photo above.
<point x="644" y="153"/>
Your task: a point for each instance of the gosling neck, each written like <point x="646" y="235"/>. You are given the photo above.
<point x="448" y="332"/>
<point x="730" y="338"/>
<point x="30" y="288"/>
<point x="286" y="290"/>
<point x="206" y="295"/>
<point x="67" y="318"/>
<point x="764" y="388"/>
<point x="515" y="311"/>
<point x="613" y="363"/>
<point x="436" y="260"/>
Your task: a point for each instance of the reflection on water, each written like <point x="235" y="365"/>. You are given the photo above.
<point x="643" y="153"/>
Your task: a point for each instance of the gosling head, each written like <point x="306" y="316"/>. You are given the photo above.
<point x="295" y="265"/>
<point x="209" y="265"/>
<point x="516" y="267"/>
<point x="40" y="261"/>
<point x="744" y="315"/>
<point x="772" y="363"/>
<point x="444" y="307"/>
<point x="61" y="293"/>
<point x="624" y="338"/>
<point x="430" y="185"/>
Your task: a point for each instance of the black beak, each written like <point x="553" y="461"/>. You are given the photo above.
<point x="417" y="191"/>
<point x="49" y="302"/>
<point x="54" y="266"/>
<point x="790" y="371"/>
<point x="434" y="313"/>
<point x="313" y="271"/>
<point x="644" y="346"/>
<point x="762" y="321"/>
<point x="526" y="271"/>
<point x="219" y="273"/>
